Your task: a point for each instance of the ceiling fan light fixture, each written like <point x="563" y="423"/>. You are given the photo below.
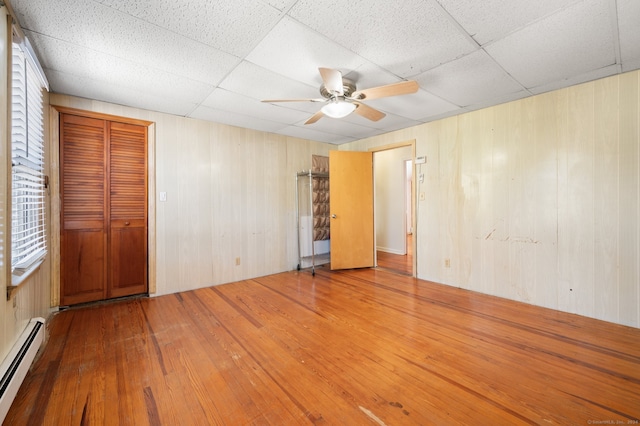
<point x="338" y="109"/>
<point x="341" y="98"/>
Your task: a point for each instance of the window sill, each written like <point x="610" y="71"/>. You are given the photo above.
<point x="20" y="276"/>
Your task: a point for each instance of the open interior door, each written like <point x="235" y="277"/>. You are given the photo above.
<point x="351" y="195"/>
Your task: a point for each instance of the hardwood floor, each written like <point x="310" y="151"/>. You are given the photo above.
<point x="361" y="347"/>
<point x="401" y="264"/>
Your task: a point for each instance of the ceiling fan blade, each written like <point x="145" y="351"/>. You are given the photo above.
<point x="315" y="117"/>
<point x="369" y="113"/>
<point x="294" y="100"/>
<point x="332" y="80"/>
<point x="395" y="89"/>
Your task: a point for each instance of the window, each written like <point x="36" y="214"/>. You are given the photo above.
<point x="28" y="237"/>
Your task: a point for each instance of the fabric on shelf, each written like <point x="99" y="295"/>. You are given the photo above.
<point x="320" y="198"/>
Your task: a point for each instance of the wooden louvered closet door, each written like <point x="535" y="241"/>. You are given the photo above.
<point x="128" y="210"/>
<point x="83" y="239"/>
<point x="103" y="190"/>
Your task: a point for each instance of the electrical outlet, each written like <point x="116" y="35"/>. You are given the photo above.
<point x="447" y="263"/>
<point x="237" y="261"/>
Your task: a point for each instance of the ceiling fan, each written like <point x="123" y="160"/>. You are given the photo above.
<point x="341" y="98"/>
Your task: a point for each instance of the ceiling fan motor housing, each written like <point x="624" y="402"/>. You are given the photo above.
<point x="348" y="88"/>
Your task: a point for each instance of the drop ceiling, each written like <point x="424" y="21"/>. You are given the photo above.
<point x="216" y="60"/>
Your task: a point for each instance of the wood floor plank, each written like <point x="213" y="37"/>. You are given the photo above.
<point x="376" y="361"/>
<point x="349" y="347"/>
<point x="398" y="263"/>
<point x="479" y="325"/>
<point x="279" y="366"/>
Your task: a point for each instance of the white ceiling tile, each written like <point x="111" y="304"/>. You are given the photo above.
<point x="256" y="82"/>
<point x="101" y="29"/>
<point x="631" y="65"/>
<point x="629" y="27"/>
<point x="444" y="115"/>
<point x="233" y="26"/>
<point x="233" y="102"/>
<point x="490" y="20"/>
<point x="498" y="100"/>
<point x="259" y="83"/>
<point x="389" y="121"/>
<point x="281" y="5"/>
<point x="50" y="18"/>
<point x="415" y="107"/>
<point x="308" y="108"/>
<point x="85" y="87"/>
<point x="406" y="38"/>
<point x="392" y="122"/>
<point x="469" y="80"/>
<point x="315" y="135"/>
<point x="574" y="41"/>
<point x="578" y="79"/>
<point x="340" y="127"/>
<point x="113" y="71"/>
<point x="234" y="119"/>
<point x="296" y="52"/>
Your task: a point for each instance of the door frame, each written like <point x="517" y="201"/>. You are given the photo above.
<point x="54" y="190"/>
<point x="414" y="223"/>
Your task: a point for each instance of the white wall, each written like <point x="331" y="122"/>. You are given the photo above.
<point x="390" y="199"/>
<point x="536" y="200"/>
<point x="409" y="195"/>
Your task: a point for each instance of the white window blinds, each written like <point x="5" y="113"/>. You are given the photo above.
<point x="28" y="238"/>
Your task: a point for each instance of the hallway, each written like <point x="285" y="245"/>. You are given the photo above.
<point x="401" y="264"/>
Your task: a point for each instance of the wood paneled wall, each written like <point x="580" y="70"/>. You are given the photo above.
<point x="230" y="195"/>
<point x="536" y="200"/>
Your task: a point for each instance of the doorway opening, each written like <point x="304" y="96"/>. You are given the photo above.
<point x="394" y="208"/>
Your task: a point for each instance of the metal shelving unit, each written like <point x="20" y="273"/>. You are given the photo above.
<point x="304" y="184"/>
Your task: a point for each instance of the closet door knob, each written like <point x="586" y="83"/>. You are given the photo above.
<point x="333" y="216"/>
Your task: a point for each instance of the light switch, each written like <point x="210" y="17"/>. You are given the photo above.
<point x="163" y="196"/>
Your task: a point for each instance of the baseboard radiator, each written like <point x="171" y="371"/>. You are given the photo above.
<point x="15" y="366"/>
